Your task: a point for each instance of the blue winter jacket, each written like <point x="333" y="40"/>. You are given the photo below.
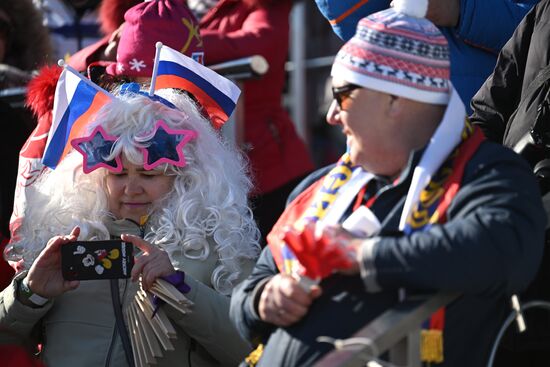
<point x="484" y="27"/>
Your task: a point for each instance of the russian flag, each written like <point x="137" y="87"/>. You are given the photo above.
<point x="217" y="95"/>
<point x="76" y="101"/>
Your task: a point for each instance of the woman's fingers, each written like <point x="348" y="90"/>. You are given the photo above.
<point x="153" y="263"/>
<point x="74" y="233"/>
<point x="138" y="242"/>
<point x="152" y="266"/>
<point x="55" y="242"/>
<point x="137" y="269"/>
<point x="52" y="247"/>
<point x="69" y="285"/>
<point x="149" y="278"/>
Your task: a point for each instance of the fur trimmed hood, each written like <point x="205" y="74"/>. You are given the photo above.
<point x="111" y="13"/>
<point x="29" y="41"/>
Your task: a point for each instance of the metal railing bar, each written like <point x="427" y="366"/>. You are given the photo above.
<point x="386" y="330"/>
<point x="241" y="69"/>
<point x="317" y="62"/>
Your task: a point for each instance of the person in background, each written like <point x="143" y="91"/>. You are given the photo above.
<point x="511" y="105"/>
<point x="279" y="158"/>
<point x="519" y="62"/>
<point x="421" y="202"/>
<point x="475" y="30"/>
<point x="24" y="43"/>
<point x="24" y="47"/>
<point x="73" y="24"/>
<point x="111" y="18"/>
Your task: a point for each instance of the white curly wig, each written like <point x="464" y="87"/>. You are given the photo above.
<point x="205" y="211"/>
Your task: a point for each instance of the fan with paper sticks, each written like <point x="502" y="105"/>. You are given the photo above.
<point x="318" y="255"/>
<point x="151" y="331"/>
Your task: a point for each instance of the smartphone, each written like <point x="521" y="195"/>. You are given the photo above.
<point x="90" y="260"/>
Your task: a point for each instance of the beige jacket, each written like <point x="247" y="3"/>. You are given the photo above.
<point x="79" y="326"/>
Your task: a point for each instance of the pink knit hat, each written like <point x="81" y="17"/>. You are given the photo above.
<point x="168" y="21"/>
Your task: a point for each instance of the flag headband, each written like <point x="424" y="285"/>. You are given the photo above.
<point x="134" y="88"/>
<point x="166" y="146"/>
<point x="77" y="99"/>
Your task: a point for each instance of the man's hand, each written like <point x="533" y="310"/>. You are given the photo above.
<point x="347" y="241"/>
<point x="444" y="13"/>
<point x="44" y="277"/>
<point x="152" y="264"/>
<point x="284" y="301"/>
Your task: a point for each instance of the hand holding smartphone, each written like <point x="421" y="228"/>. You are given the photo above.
<point x="92" y="260"/>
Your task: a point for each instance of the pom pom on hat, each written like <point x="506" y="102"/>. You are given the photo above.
<point x="41" y="90"/>
<point x="413" y="8"/>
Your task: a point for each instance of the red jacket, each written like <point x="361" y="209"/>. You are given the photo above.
<point x="239" y="28"/>
<point x="15" y="355"/>
<point x="6" y="272"/>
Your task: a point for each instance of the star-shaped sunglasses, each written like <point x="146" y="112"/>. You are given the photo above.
<point x="166" y="146"/>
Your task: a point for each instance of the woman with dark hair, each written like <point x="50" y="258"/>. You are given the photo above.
<point x="24" y="46"/>
<point x="233" y="29"/>
<point x="24" y="42"/>
<point x="111" y="18"/>
<point x="72" y="24"/>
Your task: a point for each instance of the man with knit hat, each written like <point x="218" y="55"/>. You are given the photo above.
<point x="420" y="202"/>
<point x="475" y="29"/>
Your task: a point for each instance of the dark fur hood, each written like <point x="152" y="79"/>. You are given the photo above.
<point x="29" y="44"/>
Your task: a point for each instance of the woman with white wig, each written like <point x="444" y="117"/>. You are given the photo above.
<point x="157" y="175"/>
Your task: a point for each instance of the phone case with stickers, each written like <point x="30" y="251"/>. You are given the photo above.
<point x="89" y="260"/>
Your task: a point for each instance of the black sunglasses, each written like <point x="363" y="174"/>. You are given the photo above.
<point x="341" y="93"/>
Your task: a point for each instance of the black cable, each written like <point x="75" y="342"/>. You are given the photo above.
<point x="121" y="327"/>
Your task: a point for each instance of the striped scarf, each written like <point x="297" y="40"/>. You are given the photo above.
<point x="431" y="208"/>
<point x="325" y="201"/>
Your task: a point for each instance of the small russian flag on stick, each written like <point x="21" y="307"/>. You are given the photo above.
<point x="76" y="101"/>
<point x="217" y="95"/>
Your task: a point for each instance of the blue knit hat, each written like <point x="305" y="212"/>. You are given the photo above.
<point x="343" y="15"/>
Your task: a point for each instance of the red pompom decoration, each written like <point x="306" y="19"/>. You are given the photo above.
<point x="318" y="256"/>
<point x="41" y="90"/>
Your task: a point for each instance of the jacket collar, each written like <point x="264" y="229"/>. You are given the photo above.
<point x="117" y="227"/>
